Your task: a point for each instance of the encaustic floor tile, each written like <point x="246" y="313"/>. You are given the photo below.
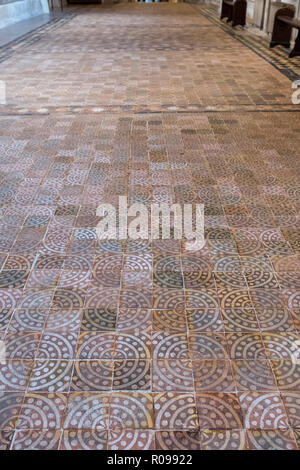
<point x="132" y="344"/>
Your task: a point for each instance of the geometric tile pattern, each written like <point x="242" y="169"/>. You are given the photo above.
<point x="129" y="344"/>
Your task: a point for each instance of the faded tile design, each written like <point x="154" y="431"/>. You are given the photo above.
<point x="87" y="411"/>
<point x="42" y="411"/>
<point x="219" y="411"/>
<point x="175" y="411"/>
<point x="271" y="440"/>
<point x="177" y="440"/>
<point x="14" y="375"/>
<point x="10" y="406"/>
<point x="131" y="439"/>
<point x="223" y="440"/>
<point x="82" y="439"/>
<point x="213" y="376"/>
<point x="172" y="375"/>
<point x="31" y="439"/>
<point x="143" y="344"/>
<point x="263" y="411"/>
<point x="131" y="411"/>
<point x="92" y="376"/>
<point x="51" y="376"/>
<point x="6" y="439"/>
<point x="253" y="375"/>
<point x="132" y="375"/>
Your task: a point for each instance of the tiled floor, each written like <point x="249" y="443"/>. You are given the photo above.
<point x="140" y="345"/>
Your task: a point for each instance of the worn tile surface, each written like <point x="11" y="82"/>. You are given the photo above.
<point x="138" y="344"/>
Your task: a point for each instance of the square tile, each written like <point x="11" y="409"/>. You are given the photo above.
<point x="174" y="411"/>
<point x="213" y="376"/>
<point x="219" y="411"/>
<point x="87" y="411"/>
<point x="263" y="411"/>
<point x="131" y="410"/>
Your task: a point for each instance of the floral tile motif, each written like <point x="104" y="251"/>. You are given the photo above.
<point x="36" y="439"/>
<point x="266" y="439"/>
<point x="175" y="411"/>
<point x="219" y="411"/>
<point x="83" y="439"/>
<point x="177" y="440"/>
<point x="263" y="411"/>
